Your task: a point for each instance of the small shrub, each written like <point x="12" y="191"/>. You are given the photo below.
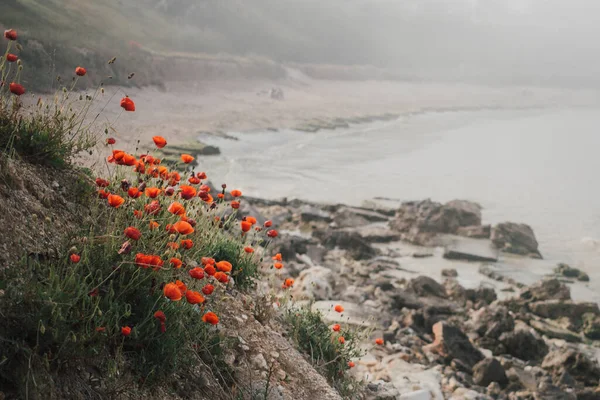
<point x="327" y="354"/>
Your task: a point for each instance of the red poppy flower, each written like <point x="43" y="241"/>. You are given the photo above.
<point x="94" y="292"/>
<point x="341" y="340"/>
<point x="103" y="194"/>
<point x="246" y="226"/>
<point x="16" y="89"/>
<point x="172" y="292"/>
<point x="146" y="260"/>
<point x="224" y="266"/>
<point x="236" y="193"/>
<point x="10" y="34"/>
<point x="100" y="329"/>
<point x="134" y="192"/>
<point x="193" y="180"/>
<point x="252" y="220"/>
<point x="111" y="141"/>
<point x="176" y="208"/>
<point x="127" y="104"/>
<point x="174" y="178"/>
<point x="272" y="233"/>
<point x="289" y="282"/>
<point x="183" y="227"/>
<point x="221" y="196"/>
<point x="140" y="167"/>
<point x="187" y="192"/>
<point x="206" y="197"/>
<point x="187" y="244"/>
<point x="152" y="192"/>
<point x="208" y="261"/>
<point x="152" y="208"/>
<point x="235" y="205"/>
<point x="11" y="57"/>
<point x="129" y="160"/>
<point x="379" y="341"/>
<point x="205" y="188"/>
<point x="351" y="364"/>
<point x="210" y="318"/>
<point x="336" y="327"/>
<point x="208" y="289"/>
<point x="201" y="175"/>
<point x="176" y="262"/>
<point x="210" y="270"/>
<point x="181" y="286"/>
<point x="197" y="273"/>
<point x="268" y="224"/>
<point x="75" y="258"/>
<point x="102" y="182"/>
<point x="194" y="297"/>
<point x="338" y="308"/>
<point x="159" y="141"/>
<point x="114" y="200"/>
<point x="173" y="245"/>
<point x="186" y="158"/>
<point x="221" y="277"/>
<point x="277" y="257"/>
<point x="169" y="191"/>
<point x="278" y="265"/>
<point x="159" y="315"/>
<point x="248" y="249"/>
<point x="154" y="225"/>
<point x="80" y="71"/>
<point x="132" y="233"/>
<point x="125" y="331"/>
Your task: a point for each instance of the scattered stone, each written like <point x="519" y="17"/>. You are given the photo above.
<point x="569" y="272"/>
<point x="449" y="273"/>
<point x="450" y="342"/>
<point x="315" y="283"/>
<point x="578" y="365"/>
<point x="591" y="326"/>
<point x="555" y="309"/>
<point x="461" y="248"/>
<point x="426" y="286"/>
<point x="493" y="321"/>
<point x="553" y="331"/>
<point x="549" y="289"/>
<point x="475" y="231"/>
<point x="352" y="242"/>
<point x="487" y="371"/>
<point x="350" y="217"/>
<point x="515" y="238"/>
<point x="524" y="345"/>
<point x="378" y="234"/>
<point x="313" y="214"/>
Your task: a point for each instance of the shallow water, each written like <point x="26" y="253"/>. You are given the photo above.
<point x="538" y="167"/>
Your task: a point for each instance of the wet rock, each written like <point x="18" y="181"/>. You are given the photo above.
<point x="350" y="217"/>
<point x="515" y="238"/>
<point x="555" y="309"/>
<point x="450" y="342"/>
<point x="449" y="273"/>
<point x="352" y="242"/>
<point x="313" y="214"/>
<point x="419" y="221"/>
<point x="487" y="371"/>
<point x="550" y="289"/>
<point x="426" y="286"/>
<point x="577" y="364"/>
<point x="460" y="248"/>
<point x="591" y="326"/>
<point x="524" y="345"/>
<point x="475" y="231"/>
<point x="570" y="272"/>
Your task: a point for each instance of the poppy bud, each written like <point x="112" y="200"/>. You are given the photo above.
<point x="125" y="185"/>
<point x="10" y="34"/>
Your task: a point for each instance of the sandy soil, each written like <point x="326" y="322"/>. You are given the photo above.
<point x="184" y="110"/>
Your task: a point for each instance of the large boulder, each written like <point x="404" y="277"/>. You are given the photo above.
<point x="314" y="283"/>
<point x="451" y="343"/>
<point x="420" y="221"/>
<point x="290" y="245"/>
<point x="515" y="238"/>
<point x="524" y="345"/>
<point x="577" y="364"/>
<point x="492" y="321"/>
<point x="352" y="242"/>
<point x="426" y="286"/>
<point x="350" y="217"/>
<point x="569" y="272"/>
<point x="550" y="289"/>
<point x="487" y="371"/>
<point x="555" y="309"/>
<point x="475" y="231"/>
<point x="310" y="213"/>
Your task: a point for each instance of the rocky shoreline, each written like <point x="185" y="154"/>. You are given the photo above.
<point x="424" y="277"/>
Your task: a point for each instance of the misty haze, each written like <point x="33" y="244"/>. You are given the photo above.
<point x="300" y="199"/>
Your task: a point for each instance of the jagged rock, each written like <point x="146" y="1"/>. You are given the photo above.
<point x="378" y="234"/>
<point x="350" y="217"/>
<point x="381" y="391"/>
<point x="352" y="242"/>
<point x="449" y="273"/>
<point x="461" y="248"/>
<point x="555" y="309"/>
<point x="515" y="238"/>
<point x="313" y="214"/>
<point x="523" y="344"/>
<point x="492" y="321"/>
<point x="475" y="231"/>
<point x="549" y="289"/>
<point x="426" y="286"/>
<point x="419" y="221"/>
<point x="591" y="326"/>
<point x="450" y="342"/>
<point x="577" y="364"/>
<point x="314" y="283"/>
<point x="481" y="295"/>
<point x="570" y="272"/>
<point x="316" y="253"/>
<point x="290" y="245"/>
<point x="487" y="371"/>
<point x="551" y="330"/>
